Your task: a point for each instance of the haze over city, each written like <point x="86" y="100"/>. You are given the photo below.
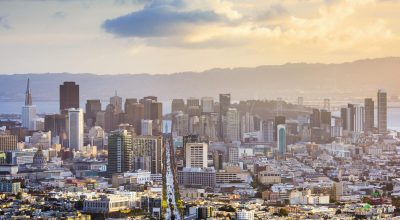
<point x="199" y="109"/>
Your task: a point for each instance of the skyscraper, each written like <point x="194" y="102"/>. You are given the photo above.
<point x="147" y="127"/>
<point x="268" y="130"/>
<point x="232" y="125"/>
<point x="92" y="107"/>
<point x="281" y="143"/>
<point x="178" y="105"/>
<point x="207" y="104"/>
<point x="369" y="115"/>
<point x="359" y="118"/>
<point x="279" y="120"/>
<point x="69" y="96"/>
<point x="148" y="147"/>
<point x="224" y="104"/>
<point x="119" y="152"/>
<point x="134" y="114"/>
<point x="196" y="155"/>
<point x="28" y="115"/>
<point x="382" y="111"/>
<point x="116" y="101"/>
<point x="75" y="128"/>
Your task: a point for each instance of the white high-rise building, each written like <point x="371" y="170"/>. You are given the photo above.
<point x="147" y="127"/>
<point x="196" y="155"/>
<point x="359" y="118"/>
<point x="207" y="104"/>
<point x="75" y="128"/>
<point x="28" y="114"/>
<point x="232" y="122"/>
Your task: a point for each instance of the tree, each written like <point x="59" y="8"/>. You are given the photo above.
<point x="283" y="212"/>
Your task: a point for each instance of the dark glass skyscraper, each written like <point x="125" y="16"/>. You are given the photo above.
<point x="224" y="104"/>
<point x="369" y="115"/>
<point x="69" y="96"/>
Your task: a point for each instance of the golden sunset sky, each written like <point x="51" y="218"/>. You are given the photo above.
<point x="139" y="36"/>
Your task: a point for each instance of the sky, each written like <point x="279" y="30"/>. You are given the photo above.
<point x="158" y="37"/>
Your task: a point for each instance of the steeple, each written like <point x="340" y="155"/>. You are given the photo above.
<point x="28" y="95"/>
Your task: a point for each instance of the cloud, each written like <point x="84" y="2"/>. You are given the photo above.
<point x="159" y="19"/>
<point x="4" y="23"/>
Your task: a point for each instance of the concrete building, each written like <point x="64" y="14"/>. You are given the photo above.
<point x="75" y="128"/>
<point x="106" y="204"/>
<point x="147" y="148"/>
<point x="196" y="155"/>
<point x="197" y="177"/>
<point x="8" y="142"/>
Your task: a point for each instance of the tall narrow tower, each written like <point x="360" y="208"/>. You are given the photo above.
<point x="28" y="110"/>
<point x="28" y="95"/>
<point x="382" y="111"/>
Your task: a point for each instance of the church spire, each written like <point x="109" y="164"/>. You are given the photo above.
<point x="28" y="95"/>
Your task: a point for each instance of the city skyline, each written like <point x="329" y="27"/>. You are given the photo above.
<point x="89" y="37"/>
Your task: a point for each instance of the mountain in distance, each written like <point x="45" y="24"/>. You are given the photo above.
<point x="356" y="79"/>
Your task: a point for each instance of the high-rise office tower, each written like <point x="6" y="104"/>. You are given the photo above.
<point x="196" y="155"/>
<point x="369" y="115"/>
<point x="75" y="128"/>
<point x="232" y="124"/>
<point x="207" y="105"/>
<point x="147" y="127"/>
<point x="129" y="101"/>
<point x="157" y="117"/>
<point x="111" y="118"/>
<point x="134" y="114"/>
<point x="57" y="124"/>
<point x="218" y="159"/>
<point x="119" y="152"/>
<point x="315" y="118"/>
<point x="181" y="125"/>
<point x="268" y="130"/>
<point x="247" y="123"/>
<point x="28" y="115"/>
<point x="148" y="148"/>
<point x="348" y="116"/>
<point x="359" y="118"/>
<point x="279" y="120"/>
<point x="116" y="101"/>
<point x="281" y="142"/>
<point x="69" y="96"/>
<point x="382" y="111"/>
<point x="92" y="107"/>
<point x="178" y="105"/>
<point x="192" y="102"/>
<point x="224" y="104"/>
